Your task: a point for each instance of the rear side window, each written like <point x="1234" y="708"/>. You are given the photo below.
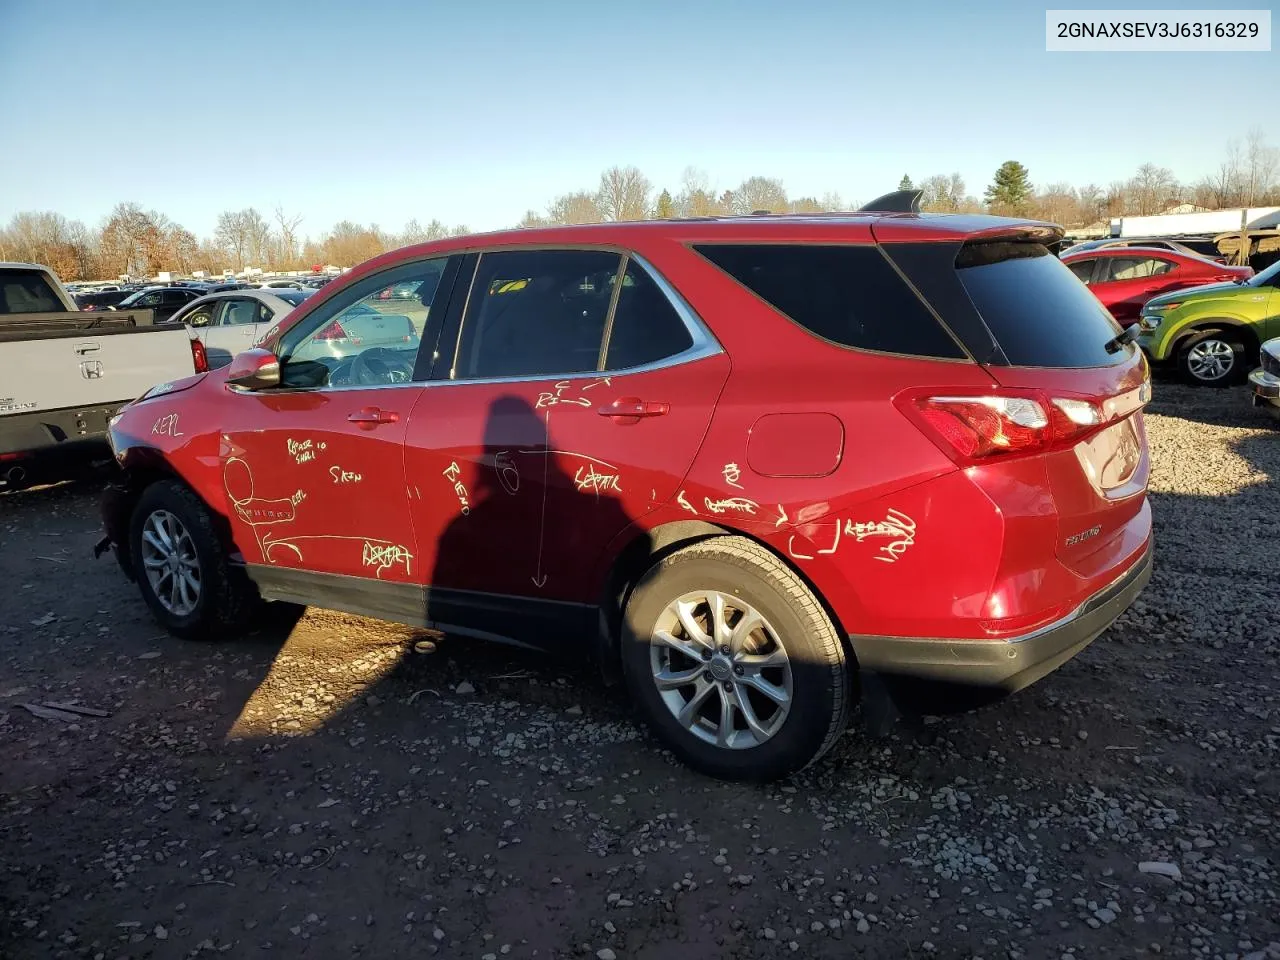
<point x="27" y="291"/>
<point x="646" y="327"/>
<point x="1036" y="310"/>
<point x="848" y="295"/>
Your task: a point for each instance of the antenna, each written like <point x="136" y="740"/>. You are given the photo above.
<point x="900" y="201"/>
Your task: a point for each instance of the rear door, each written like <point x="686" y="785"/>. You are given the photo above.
<point x="574" y="402"/>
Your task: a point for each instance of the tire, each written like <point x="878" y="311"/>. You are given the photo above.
<point x="224" y="597"/>
<point x="1197" y="355"/>
<point x="738" y="571"/>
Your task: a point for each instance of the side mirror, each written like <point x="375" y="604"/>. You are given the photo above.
<point x="255" y="369"/>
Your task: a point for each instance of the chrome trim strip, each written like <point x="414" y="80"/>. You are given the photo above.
<point x="1095" y="600"/>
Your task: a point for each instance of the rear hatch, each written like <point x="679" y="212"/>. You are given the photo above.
<point x="1070" y="387"/>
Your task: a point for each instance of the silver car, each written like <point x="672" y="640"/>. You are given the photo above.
<point x="230" y="322"/>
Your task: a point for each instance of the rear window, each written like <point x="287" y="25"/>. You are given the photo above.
<point x="848" y="295"/>
<point x="1039" y="313"/>
<point x="27" y="291"/>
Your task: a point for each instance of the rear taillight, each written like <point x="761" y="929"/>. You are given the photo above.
<point x="990" y="425"/>
<point x="333" y="331"/>
<point x="199" y="357"/>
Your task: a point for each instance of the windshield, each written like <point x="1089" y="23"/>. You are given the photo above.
<point x="1269" y="277"/>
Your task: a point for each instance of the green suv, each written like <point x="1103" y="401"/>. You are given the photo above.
<point x="1212" y="333"/>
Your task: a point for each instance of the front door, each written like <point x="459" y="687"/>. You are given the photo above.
<point x="314" y="470"/>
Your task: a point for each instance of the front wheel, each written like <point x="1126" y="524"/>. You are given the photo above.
<point x="182" y="566"/>
<point x="1213" y="358"/>
<point x="733" y="662"/>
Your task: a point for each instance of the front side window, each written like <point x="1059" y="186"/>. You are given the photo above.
<point x="361" y="339"/>
<point x="536" y="313"/>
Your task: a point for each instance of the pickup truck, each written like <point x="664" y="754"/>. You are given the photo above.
<point x="64" y="373"/>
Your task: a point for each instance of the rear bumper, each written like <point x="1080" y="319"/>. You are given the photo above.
<point x="1010" y="664"/>
<point x="43" y="433"/>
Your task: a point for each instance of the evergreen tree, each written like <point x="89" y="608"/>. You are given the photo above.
<point x="1011" y="188"/>
<point x="905" y="183"/>
<point x="664" y="208"/>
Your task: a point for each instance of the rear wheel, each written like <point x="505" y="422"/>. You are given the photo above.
<point x="182" y="566"/>
<point x="1212" y="358"/>
<point x="733" y="662"/>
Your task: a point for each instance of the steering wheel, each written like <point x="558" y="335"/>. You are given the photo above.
<point x="379" y="365"/>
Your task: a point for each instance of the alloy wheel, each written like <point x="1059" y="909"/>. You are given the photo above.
<point x="1210" y="360"/>
<point x="721" y="669"/>
<point x="170" y="562"/>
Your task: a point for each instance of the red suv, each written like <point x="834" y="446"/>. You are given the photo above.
<point x="757" y="466"/>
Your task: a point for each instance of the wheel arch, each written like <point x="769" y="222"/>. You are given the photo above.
<point x="1234" y="324"/>
<point x="141" y="468"/>
<point x="641" y="548"/>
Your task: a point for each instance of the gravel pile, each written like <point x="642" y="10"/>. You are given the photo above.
<point x="335" y="786"/>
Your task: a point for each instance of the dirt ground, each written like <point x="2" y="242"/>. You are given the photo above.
<point x="321" y="789"/>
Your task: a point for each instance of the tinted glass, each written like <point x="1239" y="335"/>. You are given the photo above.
<point x="646" y="327"/>
<point x="849" y="295"/>
<point x="1038" y="313"/>
<point x="27" y="291"/>
<point x="293" y="297"/>
<point x="536" y="313"/>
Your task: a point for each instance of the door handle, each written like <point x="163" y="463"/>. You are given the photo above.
<point x="633" y="408"/>
<point x="373" y="415"/>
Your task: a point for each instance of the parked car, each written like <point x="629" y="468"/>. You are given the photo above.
<point x="1265" y="381"/>
<point x="65" y="372"/>
<point x="164" y="302"/>
<point x="1207" y="332"/>
<point x="284" y="284"/>
<point x="1125" y="278"/>
<point x="762" y="477"/>
<point x="232" y="321"/>
<point x="100" y="301"/>
<point x="1188" y="247"/>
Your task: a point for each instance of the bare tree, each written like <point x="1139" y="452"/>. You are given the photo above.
<point x="623" y="194"/>
<point x="697" y="197"/>
<point x="1153" y="188"/>
<point x="287" y="252"/>
<point x="350" y="243"/>
<point x="1259" y="172"/>
<point x="1092" y="202"/>
<point x="759" y="193"/>
<point x="580" y="207"/>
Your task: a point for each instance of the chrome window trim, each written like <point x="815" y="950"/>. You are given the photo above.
<point x="704" y="345"/>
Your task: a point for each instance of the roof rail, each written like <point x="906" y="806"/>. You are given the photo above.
<point x="900" y="201"/>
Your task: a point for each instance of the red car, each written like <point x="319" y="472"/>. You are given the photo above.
<point x="1125" y="278"/>
<point x="755" y="466"/>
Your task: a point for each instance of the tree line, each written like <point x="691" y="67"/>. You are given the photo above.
<point x="139" y="242"/>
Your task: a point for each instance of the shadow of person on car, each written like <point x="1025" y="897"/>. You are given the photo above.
<point x="528" y="561"/>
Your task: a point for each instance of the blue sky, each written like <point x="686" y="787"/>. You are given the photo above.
<point x="473" y="112"/>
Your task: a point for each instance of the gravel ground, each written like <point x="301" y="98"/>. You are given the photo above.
<point x="322" y="788"/>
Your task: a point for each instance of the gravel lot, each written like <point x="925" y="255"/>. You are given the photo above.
<point x="323" y="789"/>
